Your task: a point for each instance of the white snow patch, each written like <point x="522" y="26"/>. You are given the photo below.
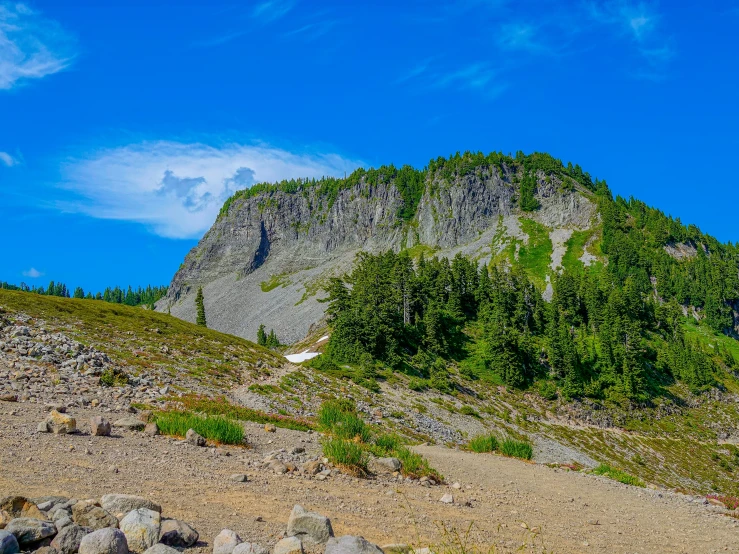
<point x="322" y="339"/>
<point x="303" y="356"/>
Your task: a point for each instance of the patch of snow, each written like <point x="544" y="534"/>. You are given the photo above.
<point x="322" y="339"/>
<point x="303" y="356"/>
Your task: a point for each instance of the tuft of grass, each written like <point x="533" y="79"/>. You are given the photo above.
<point x="347" y="454"/>
<point x="339" y="418"/>
<point x="415" y="465"/>
<point x="483" y="443"/>
<point x="469" y="411"/>
<point x="219" y="405"/>
<point x="618" y="475"/>
<point x="274" y="282"/>
<point x="517" y="449"/>
<point x="386" y="444"/>
<point x="214" y="428"/>
<point x="114" y="377"/>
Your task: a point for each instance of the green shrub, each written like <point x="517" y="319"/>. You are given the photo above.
<point x="517" y="449"/>
<point x="386" y="444"/>
<point x="347" y="454"/>
<point x="215" y="428"/>
<point x="418" y="385"/>
<point x="618" y="475"/>
<point x="483" y="443"/>
<point x="415" y="465"/>
<point x="548" y="390"/>
<point x="338" y="417"/>
<point x="114" y="377"/>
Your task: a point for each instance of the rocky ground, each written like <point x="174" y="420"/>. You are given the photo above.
<point x="509" y="502"/>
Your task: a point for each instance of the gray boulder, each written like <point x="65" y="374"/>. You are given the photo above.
<point x="193" y="438"/>
<point x="130" y="423"/>
<point x="250" y="548"/>
<point x="86" y="514"/>
<point x="225" y="542"/>
<point x="349" y="544"/>
<point x="288" y="545"/>
<point x="104" y="541"/>
<point x="160" y="548"/>
<point x="69" y="538"/>
<point x="309" y="527"/>
<point x="121" y="504"/>
<point x="99" y="426"/>
<point x="28" y="530"/>
<point x="174" y="532"/>
<point x="8" y="543"/>
<point x="141" y="528"/>
<point x="385" y="465"/>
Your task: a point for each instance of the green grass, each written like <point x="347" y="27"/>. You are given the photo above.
<point x="214" y="428"/>
<point x="618" y="475"/>
<point x="347" y="454"/>
<point x="517" y="449"/>
<point x="222" y="407"/>
<point x="338" y="418"/>
<point x="274" y="282"/>
<point x="535" y="256"/>
<point x="575" y="249"/>
<point x="415" y="465"/>
<point x="483" y="443"/>
<point x="140" y="340"/>
<point x="469" y="411"/>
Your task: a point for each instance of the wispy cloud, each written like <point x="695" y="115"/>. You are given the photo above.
<point x="481" y="78"/>
<point x="312" y="31"/>
<point x="520" y="36"/>
<point x="272" y="10"/>
<point x="33" y="273"/>
<point x="414" y="72"/>
<point x="31" y="47"/>
<point x="177" y="189"/>
<point x="8" y="160"/>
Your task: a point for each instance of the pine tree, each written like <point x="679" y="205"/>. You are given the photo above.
<point x="272" y="340"/>
<point x="200" y="306"/>
<point x="261" y="336"/>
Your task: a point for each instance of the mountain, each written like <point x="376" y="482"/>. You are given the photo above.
<point x="274" y="247"/>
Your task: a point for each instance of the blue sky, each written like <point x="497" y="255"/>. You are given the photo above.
<point x="124" y="126"/>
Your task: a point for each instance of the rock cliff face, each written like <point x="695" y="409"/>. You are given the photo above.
<point x="266" y="259"/>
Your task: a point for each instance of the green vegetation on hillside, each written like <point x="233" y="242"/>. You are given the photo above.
<point x="130" y="297"/>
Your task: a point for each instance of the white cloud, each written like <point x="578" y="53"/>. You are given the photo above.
<point x="519" y="36"/>
<point x="177" y="189"/>
<point x="31" y="47"/>
<point x="33" y="273"/>
<point x="7" y="159"/>
<point x="271" y="10"/>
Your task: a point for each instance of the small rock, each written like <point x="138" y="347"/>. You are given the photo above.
<point x="447" y="499"/>
<point x="349" y="544"/>
<point x="456" y="486"/>
<point x="269" y="428"/>
<point x="99" y="426"/>
<point x="42" y="427"/>
<point x="239" y="478"/>
<point x="225" y="542"/>
<point x="174" y="532"/>
<point x="8" y="397"/>
<point x="130" y="423"/>
<point x="160" y="548"/>
<point x="312" y="468"/>
<point x="8" y="543"/>
<point x="141" y="527"/>
<point x="191" y="437"/>
<point x="288" y="545"/>
<point x="104" y="541"/>
<point x="151" y="429"/>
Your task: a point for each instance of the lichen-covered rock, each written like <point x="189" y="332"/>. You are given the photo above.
<point x="141" y="527"/>
<point x="309" y="527"/>
<point x="86" y="514"/>
<point x="61" y="424"/>
<point x="20" y="506"/>
<point x="288" y="545"/>
<point x="28" y="530"/>
<point x="68" y="540"/>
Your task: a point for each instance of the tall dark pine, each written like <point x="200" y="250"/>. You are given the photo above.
<point x="200" y="306"/>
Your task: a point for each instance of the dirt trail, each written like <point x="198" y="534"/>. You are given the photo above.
<point x="574" y="513"/>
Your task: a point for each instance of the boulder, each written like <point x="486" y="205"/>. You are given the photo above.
<point x="174" y="532"/>
<point x="42" y="427"/>
<point x="349" y="544"/>
<point x="19" y="506"/>
<point x="121" y="504"/>
<point x="130" y="423"/>
<point x="99" y="426"/>
<point x="68" y="540"/>
<point x="61" y="424"/>
<point x="104" y="541"/>
<point x="8" y="543"/>
<point x="288" y="545"/>
<point x="28" y="531"/>
<point x="141" y="527"/>
<point x="313" y="467"/>
<point x="250" y="548"/>
<point x="309" y="527"/>
<point x="385" y="465"/>
<point x="87" y="514"/>
<point x="8" y="397"/>
<point x="151" y="429"/>
<point x="193" y="438"/>
<point x="160" y="548"/>
<point x="5" y="518"/>
<point x="225" y="542"/>
<point x="270" y="428"/>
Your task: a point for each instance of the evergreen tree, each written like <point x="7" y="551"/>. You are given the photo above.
<point x="261" y="336"/>
<point x="200" y="307"/>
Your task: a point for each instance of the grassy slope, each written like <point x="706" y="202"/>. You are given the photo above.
<point x="143" y="340"/>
